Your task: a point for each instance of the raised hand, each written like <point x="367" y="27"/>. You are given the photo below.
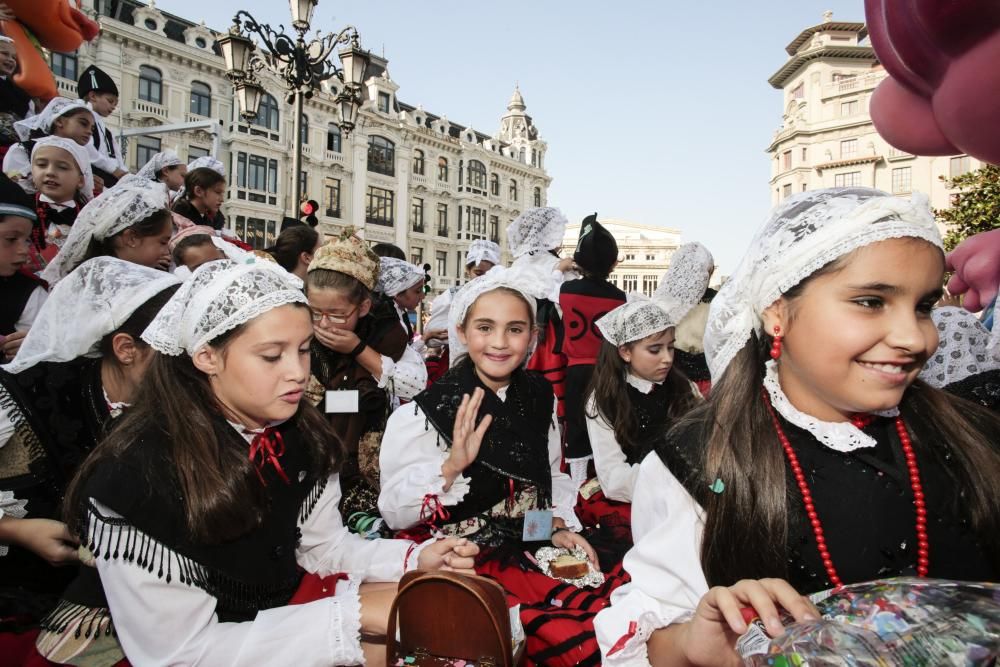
<point x="466" y="437"/>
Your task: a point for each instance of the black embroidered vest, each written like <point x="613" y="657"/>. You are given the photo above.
<point x="514" y="453"/>
<point x="255" y="571"/>
<point x="865" y="502"/>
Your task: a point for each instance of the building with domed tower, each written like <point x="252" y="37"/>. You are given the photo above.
<point x="405" y="175"/>
<point x="826" y="137"/>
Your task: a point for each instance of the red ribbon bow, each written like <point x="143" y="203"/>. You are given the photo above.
<point x="432" y="511"/>
<point x="267" y="447"/>
<point x="623" y="640"/>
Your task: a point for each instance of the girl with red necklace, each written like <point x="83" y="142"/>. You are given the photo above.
<point x="820" y="460"/>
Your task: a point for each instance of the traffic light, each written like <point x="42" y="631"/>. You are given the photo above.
<point x="308" y="210"/>
<point x="427" y="278"/>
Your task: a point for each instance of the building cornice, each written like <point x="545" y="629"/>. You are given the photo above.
<point x="781" y="77"/>
<point x="866" y="159"/>
<point x="794" y="133"/>
<point x="832" y="26"/>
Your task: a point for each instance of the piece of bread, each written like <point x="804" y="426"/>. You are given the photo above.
<point x="568" y="566"/>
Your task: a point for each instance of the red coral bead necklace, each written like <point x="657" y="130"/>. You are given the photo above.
<point x="860" y="421"/>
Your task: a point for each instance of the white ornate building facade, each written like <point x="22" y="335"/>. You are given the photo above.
<point x="827" y="139"/>
<point x="404" y="175"/>
<point x="644" y="253"/>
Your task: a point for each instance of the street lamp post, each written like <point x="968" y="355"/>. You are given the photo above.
<point x="300" y="65"/>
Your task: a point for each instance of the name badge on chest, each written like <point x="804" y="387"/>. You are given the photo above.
<point x="342" y="401"/>
<point x="537" y="526"/>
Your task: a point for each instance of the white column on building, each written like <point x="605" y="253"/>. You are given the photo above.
<point x="359" y="163"/>
<point x="402" y="222"/>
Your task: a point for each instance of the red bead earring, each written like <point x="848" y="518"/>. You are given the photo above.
<point x="776" y="343"/>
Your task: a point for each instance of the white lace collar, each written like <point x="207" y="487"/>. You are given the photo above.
<point x="643" y="385"/>
<point x="840" y="436"/>
<point x="250" y="433"/>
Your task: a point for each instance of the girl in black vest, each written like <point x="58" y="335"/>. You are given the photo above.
<point x="201" y="201"/>
<point x="77" y="370"/>
<point x="820" y="459"/>
<point x="636" y="394"/>
<point x="478" y="456"/>
<point x="21" y="293"/>
<point x="219" y="487"/>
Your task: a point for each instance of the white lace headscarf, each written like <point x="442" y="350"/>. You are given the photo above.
<point x="114" y="211"/>
<point x="92" y="302"/>
<point x="157" y="163"/>
<point x="207" y="161"/>
<point x="219" y="297"/>
<point x="635" y="319"/>
<point x="79" y="155"/>
<point x="685" y="282"/>
<point x="496" y="277"/>
<point x="536" y="230"/>
<point x="57" y="108"/>
<point x="962" y="348"/>
<point x="397" y="275"/>
<point x="482" y="250"/>
<point x="803" y="234"/>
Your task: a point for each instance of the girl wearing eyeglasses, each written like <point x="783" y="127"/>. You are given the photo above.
<point x="357" y="345"/>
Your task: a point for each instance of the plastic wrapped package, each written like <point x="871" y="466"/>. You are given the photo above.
<point x="896" y="622"/>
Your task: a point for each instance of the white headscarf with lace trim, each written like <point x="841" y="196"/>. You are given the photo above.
<point x="802" y="235"/>
<point x="92" y="302"/>
<point x="219" y="297"/>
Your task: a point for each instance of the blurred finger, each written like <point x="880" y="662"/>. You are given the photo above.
<point x="790" y="600"/>
<point x="760" y="599"/>
<point x="729" y="607"/>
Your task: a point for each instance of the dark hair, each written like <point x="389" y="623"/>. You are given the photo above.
<point x="202" y="177"/>
<point x="746" y="527"/>
<point x="222" y="497"/>
<point x="291" y="242"/>
<point x="355" y="291"/>
<point x="160" y="174"/>
<point x="193" y="241"/>
<point x="152" y="225"/>
<point x="137" y="323"/>
<point x="593" y="275"/>
<point x="389" y="250"/>
<point x="39" y="133"/>
<point x="611" y="400"/>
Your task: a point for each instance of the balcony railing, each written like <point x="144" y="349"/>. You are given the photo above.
<point x="149" y="108"/>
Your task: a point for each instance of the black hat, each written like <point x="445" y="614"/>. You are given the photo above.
<point x="597" y="250"/>
<point x="94" y="79"/>
<point x="15" y="201"/>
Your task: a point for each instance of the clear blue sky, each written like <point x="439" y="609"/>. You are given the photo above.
<point x="654" y="112"/>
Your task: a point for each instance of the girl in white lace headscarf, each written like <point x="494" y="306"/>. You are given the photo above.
<point x="165" y="167"/>
<point x="534" y="239"/>
<point x="78" y="369"/>
<point x="814" y="344"/>
<point x="130" y="221"/>
<point x="62" y="117"/>
<point x="231" y="480"/>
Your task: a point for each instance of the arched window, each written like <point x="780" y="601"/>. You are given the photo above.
<point x="201" y="99"/>
<point x="150" y="84"/>
<point x="418" y="162"/>
<point x="381" y="155"/>
<point x="267" y="113"/>
<point x="513" y="190"/>
<point x="538" y="196"/>
<point x="495" y="185"/>
<point x="476" y="177"/>
<point x="333" y="138"/>
<point x="443" y="169"/>
<point x="304" y="130"/>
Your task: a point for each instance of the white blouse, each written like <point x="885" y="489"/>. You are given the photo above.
<point x="665" y="565"/>
<point x="410" y="463"/>
<point x="162" y="623"/>
<point x="405" y="378"/>
<point x="616" y="475"/>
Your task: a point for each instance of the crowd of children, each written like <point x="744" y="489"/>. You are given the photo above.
<point x="206" y="451"/>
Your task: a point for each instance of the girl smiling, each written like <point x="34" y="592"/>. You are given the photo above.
<point x="820" y="460"/>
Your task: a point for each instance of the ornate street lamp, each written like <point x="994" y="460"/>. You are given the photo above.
<point x="300" y="65"/>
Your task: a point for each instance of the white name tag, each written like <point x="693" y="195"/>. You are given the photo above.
<point x="342" y="401"/>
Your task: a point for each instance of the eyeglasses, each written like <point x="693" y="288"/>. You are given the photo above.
<point x="332" y="318"/>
